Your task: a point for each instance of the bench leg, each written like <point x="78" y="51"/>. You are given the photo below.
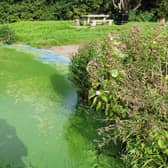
<point x="110" y="22"/>
<point x="88" y="21"/>
<point x="84" y="22"/>
<point x="93" y="24"/>
<point x="104" y="21"/>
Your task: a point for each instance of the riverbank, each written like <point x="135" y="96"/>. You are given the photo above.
<point x="65" y="50"/>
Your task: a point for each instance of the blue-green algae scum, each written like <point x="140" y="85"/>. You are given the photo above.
<point x="36" y="103"/>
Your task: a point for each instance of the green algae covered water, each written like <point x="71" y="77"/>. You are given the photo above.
<point x="37" y="104"/>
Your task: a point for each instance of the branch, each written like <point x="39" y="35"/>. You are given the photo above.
<point x="115" y="5"/>
<point x="120" y="4"/>
<point x="138" y="5"/>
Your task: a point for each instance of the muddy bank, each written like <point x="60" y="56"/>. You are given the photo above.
<point x="66" y="50"/>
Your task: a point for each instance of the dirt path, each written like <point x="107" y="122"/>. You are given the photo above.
<point x="65" y="50"/>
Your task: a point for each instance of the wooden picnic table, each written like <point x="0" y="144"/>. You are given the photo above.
<point x="98" y="18"/>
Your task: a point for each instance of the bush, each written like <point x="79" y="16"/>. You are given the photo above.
<point x="7" y="35"/>
<point x="12" y="10"/>
<point x="79" y="75"/>
<point x="127" y="81"/>
<point x="140" y="16"/>
<point x="162" y="10"/>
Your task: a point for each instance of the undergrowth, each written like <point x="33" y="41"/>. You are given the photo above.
<point x="125" y="78"/>
<point x="7" y="35"/>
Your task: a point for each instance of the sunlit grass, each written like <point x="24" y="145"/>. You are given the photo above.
<point x="50" y="33"/>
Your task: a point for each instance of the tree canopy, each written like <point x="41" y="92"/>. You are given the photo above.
<point x="14" y="10"/>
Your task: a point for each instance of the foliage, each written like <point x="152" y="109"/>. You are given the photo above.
<point x="141" y="16"/>
<point x="84" y="125"/>
<point x="162" y="10"/>
<point x="2" y="166"/>
<point x="128" y="79"/>
<point x="16" y="10"/>
<point x="78" y="71"/>
<point x="6" y="35"/>
<point x="72" y="9"/>
<point x="12" y="11"/>
<point x="158" y="7"/>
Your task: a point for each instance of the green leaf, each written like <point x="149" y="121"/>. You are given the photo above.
<point x="98" y="106"/>
<point x="94" y="102"/>
<point x="161" y="143"/>
<point x="107" y="108"/>
<point x="166" y="152"/>
<point x="114" y="73"/>
<point x="91" y="95"/>
<point x="104" y="98"/>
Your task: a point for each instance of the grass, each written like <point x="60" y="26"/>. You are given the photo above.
<point x="51" y="33"/>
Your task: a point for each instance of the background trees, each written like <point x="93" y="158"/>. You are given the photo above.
<point x="14" y="10"/>
<point x="162" y="9"/>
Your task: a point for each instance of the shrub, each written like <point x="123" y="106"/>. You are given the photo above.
<point x="79" y="75"/>
<point x="128" y="80"/>
<point x="140" y="16"/>
<point x="162" y="10"/>
<point x="6" y="35"/>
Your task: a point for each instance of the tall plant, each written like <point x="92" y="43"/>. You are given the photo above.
<point x="7" y="35"/>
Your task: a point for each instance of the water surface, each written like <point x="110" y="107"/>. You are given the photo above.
<point x="36" y="101"/>
<point x="38" y="125"/>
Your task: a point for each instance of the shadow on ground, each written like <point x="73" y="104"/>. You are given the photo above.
<point x="60" y="84"/>
<point x="11" y="147"/>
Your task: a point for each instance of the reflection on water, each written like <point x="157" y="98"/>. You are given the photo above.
<point x="12" y="148"/>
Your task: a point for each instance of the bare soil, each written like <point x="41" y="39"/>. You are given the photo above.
<point x="66" y="50"/>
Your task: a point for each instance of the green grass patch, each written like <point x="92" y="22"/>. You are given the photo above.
<point x="50" y="33"/>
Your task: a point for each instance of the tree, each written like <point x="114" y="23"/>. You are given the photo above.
<point x="162" y="10"/>
<point x="126" y="4"/>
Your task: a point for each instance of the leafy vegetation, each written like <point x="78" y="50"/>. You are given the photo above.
<point x="7" y="36"/>
<point x="163" y="9"/>
<point x="140" y="16"/>
<point x="124" y="78"/>
<point x="16" y="10"/>
<point x="85" y="124"/>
